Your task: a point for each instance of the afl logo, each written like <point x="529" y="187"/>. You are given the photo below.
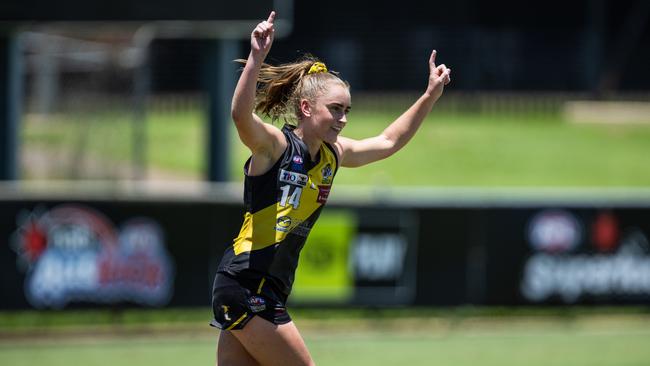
<point x="554" y="231"/>
<point x="256" y="304"/>
<point x="297" y="159"/>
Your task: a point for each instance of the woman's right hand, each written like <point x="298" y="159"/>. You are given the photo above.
<point x="262" y="37"/>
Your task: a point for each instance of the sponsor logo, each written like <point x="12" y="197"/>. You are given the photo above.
<point x="283" y="223"/>
<point x="74" y="253"/>
<point x="379" y="256"/>
<point x="323" y="193"/>
<point x="302" y="229"/>
<point x="293" y="178"/>
<point x="297" y="159"/>
<point x="605" y="232"/>
<point x="617" y="264"/>
<point x="327" y="174"/>
<point x="256" y="304"/>
<point x="287" y="224"/>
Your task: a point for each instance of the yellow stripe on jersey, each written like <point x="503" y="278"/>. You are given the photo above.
<point x="271" y="225"/>
<point x="237" y="321"/>
<point x="259" y="289"/>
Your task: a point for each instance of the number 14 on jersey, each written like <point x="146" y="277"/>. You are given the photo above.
<point x="290" y="198"/>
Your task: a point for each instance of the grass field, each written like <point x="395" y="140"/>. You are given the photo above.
<point x="339" y="338"/>
<point x="459" y="149"/>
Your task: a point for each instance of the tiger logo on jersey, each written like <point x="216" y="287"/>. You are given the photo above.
<point x="327" y="174"/>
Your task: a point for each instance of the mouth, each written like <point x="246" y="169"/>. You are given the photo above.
<point x="337" y="129"/>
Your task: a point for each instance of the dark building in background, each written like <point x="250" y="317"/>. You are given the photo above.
<point x="588" y="46"/>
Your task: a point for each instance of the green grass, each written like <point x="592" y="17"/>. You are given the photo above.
<point x="488" y="337"/>
<point x="471" y="150"/>
<point x="126" y="351"/>
<point x="459" y="149"/>
<point x="533" y="348"/>
<point x="174" y="142"/>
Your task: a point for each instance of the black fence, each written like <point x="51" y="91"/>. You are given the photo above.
<point x="116" y="251"/>
<point x="599" y="46"/>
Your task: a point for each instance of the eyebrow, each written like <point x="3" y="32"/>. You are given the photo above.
<point x="340" y="105"/>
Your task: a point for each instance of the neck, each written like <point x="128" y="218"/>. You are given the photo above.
<point x="313" y="144"/>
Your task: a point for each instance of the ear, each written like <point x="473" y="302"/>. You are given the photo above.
<point x="305" y="108"/>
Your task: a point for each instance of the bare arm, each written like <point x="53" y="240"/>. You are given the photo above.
<point x="356" y="153"/>
<point x="265" y="141"/>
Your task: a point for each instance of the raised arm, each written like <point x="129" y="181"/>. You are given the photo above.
<point x="264" y="140"/>
<point x="356" y="153"/>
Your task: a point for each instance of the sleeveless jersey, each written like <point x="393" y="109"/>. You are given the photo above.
<point x="281" y="205"/>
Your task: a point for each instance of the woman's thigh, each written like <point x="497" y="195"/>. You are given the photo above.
<point x="230" y="352"/>
<point x="272" y="344"/>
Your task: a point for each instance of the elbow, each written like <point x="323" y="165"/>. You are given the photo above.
<point x="391" y="146"/>
<point x="235" y="113"/>
<point x="238" y="116"/>
<point x="240" y="111"/>
<point x="386" y="154"/>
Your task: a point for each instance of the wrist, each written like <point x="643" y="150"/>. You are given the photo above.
<point x="257" y="56"/>
<point x="430" y="96"/>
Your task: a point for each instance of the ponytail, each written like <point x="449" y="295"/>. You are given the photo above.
<point x="280" y="88"/>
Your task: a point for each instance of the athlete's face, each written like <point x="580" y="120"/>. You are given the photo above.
<point x="329" y="112"/>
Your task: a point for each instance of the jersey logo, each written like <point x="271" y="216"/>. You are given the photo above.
<point x="327" y="174"/>
<point x="283" y="224"/>
<point x="323" y="193"/>
<point x="256" y="304"/>
<point x="297" y="163"/>
<point x="293" y="178"/>
<point x="225" y="312"/>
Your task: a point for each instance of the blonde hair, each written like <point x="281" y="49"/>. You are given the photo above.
<point x="281" y="88"/>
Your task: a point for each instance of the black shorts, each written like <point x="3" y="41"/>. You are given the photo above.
<point x="235" y="301"/>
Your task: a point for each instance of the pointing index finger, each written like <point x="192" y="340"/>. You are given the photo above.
<point x="432" y="59"/>
<point x="271" y="17"/>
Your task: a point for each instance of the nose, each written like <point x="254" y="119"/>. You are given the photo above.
<point x="344" y="118"/>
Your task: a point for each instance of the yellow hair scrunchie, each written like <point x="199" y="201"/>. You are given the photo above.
<point x="316" y="68"/>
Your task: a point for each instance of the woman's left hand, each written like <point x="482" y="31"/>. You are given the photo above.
<point x="439" y="76"/>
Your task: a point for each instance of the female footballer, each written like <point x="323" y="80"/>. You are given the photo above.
<point x="287" y="181"/>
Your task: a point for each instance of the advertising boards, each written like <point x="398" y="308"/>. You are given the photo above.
<point x="60" y="254"/>
<point x="558" y="255"/>
<point x="594" y="256"/>
<point x="151" y="253"/>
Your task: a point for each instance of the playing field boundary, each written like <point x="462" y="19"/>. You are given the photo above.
<point x="411" y="196"/>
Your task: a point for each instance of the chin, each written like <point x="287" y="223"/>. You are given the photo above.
<point x="331" y="138"/>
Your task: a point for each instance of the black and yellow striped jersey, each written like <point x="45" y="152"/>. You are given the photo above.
<point x="281" y="205"/>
